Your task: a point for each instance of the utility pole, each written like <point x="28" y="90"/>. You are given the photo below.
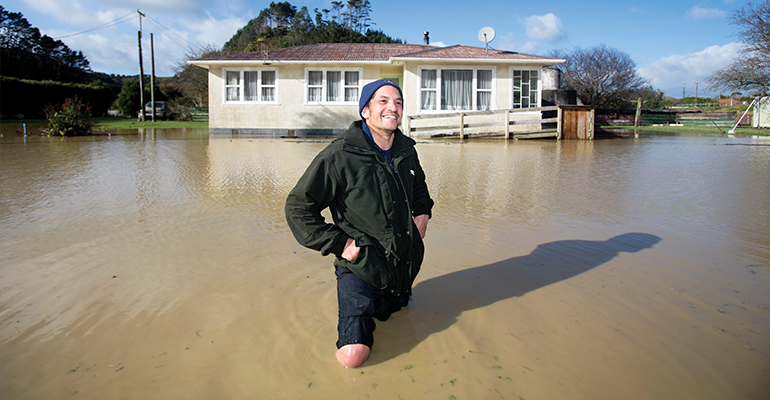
<point x="696" y="94"/>
<point x="141" y="70"/>
<point x="683" y="90"/>
<point x="152" y="77"/>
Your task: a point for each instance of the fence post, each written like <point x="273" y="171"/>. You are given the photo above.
<point x="507" y="124"/>
<point x="462" y="125"/>
<point x="638" y="118"/>
<point x="407" y="126"/>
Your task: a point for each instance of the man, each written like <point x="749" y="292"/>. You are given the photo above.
<point x="372" y="182"/>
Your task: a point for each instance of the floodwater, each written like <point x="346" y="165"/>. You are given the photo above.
<point x="159" y="265"/>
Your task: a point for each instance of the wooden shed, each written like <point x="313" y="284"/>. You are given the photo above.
<point x="576" y="122"/>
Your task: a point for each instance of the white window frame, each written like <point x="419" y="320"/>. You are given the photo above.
<point x="241" y="86"/>
<point x="437" y="89"/>
<point x="539" y="87"/>
<point x="343" y="87"/>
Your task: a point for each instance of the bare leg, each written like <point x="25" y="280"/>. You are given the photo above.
<point x="352" y="355"/>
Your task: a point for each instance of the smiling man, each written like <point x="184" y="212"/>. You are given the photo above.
<point x="372" y="182"/>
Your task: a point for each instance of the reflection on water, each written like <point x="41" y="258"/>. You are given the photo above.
<point x="159" y="264"/>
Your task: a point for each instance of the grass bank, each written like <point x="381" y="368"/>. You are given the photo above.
<point x="106" y="123"/>
<point x="109" y="123"/>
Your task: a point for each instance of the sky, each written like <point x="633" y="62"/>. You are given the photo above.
<point x="676" y="44"/>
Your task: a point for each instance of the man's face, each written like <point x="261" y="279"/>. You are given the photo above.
<point x="384" y="111"/>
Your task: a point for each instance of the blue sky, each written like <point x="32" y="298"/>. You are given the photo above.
<point x="675" y="43"/>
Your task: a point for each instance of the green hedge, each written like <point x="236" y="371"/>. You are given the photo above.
<point x="23" y="98"/>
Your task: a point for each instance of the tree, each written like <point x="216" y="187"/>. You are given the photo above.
<point x="602" y="76"/>
<point x="193" y="81"/>
<point x="281" y="25"/>
<point x="128" y="98"/>
<point x="26" y="54"/>
<point x="651" y="97"/>
<point x="751" y="70"/>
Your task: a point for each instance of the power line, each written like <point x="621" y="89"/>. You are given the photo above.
<point x="102" y="26"/>
<point x="161" y="27"/>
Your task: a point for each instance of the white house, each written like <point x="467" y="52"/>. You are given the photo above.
<point x="314" y="89"/>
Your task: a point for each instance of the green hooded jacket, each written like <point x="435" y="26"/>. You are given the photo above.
<point x="370" y="201"/>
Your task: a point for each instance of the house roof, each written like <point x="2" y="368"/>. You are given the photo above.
<point x="376" y="53"/>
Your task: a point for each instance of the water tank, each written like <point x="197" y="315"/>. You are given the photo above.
<point x="551" y="79"/>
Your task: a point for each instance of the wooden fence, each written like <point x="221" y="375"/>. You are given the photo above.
<point x="561" y="122"/>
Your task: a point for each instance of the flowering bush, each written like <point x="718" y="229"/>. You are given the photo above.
<point x="71" y="119"/>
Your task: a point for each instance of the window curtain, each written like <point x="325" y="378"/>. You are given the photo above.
<point x="456" y="89"/>
<point x="483" y="90"/>
<point x="250" y="85"/>
<point x="333" y="83"/>
<point x="268" y="85"/>
<point x="233" y="82"/>
<point x="428" y="96"/>
<point x="351" y="86"/>
<point x="315" y="80"/>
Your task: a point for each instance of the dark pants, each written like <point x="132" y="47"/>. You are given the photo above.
<point x="360" y="302"/>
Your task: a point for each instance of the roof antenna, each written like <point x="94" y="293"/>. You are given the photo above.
<point x="486" y="35"/>
<point x="264" y="53"/>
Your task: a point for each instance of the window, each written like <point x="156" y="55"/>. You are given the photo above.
<point x="525" y="89"/>
<point x="456" y="89"/>
<point x="484" y="90"/>
<point x="251" y="86"/>
<point x="333" y="86"/>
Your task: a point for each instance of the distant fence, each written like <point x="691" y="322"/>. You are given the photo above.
<point x="668" y="117"/>
<point x="697" y="105"/>
<point x="722" y="119"/>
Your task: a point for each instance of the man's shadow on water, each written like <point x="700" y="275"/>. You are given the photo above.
<point x="438" y="302"/>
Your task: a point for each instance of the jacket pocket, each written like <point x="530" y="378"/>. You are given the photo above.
<point x="418" y="253"/>
<point x="372" y="263"/>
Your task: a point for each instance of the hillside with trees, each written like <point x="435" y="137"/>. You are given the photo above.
<point x="279" y="25"/>
<point x="283" y="25"/>
<point x="26" y="54"/>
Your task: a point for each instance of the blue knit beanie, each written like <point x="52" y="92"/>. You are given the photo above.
<point x="370" y="89"/>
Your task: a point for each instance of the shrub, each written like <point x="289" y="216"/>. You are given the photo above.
<point x="71" y="119"/>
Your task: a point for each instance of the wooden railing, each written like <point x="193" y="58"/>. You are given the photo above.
<point x="477" y="123"/>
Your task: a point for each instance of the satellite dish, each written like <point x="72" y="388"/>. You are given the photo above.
<point x="486" y="35"/>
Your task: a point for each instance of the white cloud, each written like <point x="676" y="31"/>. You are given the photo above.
<point x="544" y="27"/>
<point x="669" y="73"/>
<point x="512" y="43"/>
<point x="211" y="30"/>
<point x="699" y="12"/>
<point x="71" y="12"/>
<point x="438" y="44"/>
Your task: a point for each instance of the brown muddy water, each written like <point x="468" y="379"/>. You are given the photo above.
<point x="159" y="265"/>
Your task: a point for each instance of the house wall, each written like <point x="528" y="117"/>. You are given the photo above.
<point x="291" y="115"/>
<point x="761" y="116"/>
<point x="502" y="99"/>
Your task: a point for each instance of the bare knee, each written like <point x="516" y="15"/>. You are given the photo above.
<point x="352" y="355"/>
